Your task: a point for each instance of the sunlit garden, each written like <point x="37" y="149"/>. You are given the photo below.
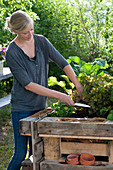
<point x="82" y="31"/>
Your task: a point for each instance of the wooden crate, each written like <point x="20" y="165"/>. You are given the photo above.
<point x="63" y="138"/>
<point x="58" y="139"/>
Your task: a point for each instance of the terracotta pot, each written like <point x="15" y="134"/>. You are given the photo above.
<point x="72" y="162"/>
<point x="87" y="159"/>
<point x="72" y="159"/>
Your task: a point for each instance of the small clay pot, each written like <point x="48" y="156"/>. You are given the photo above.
<point x="72" y="162"/>
<point x="72" y="159"/>
<point x="87" y="159"/>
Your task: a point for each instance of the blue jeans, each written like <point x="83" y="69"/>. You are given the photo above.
<point x="20" y="141"/>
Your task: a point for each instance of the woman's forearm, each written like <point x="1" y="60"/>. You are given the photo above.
<point x="41" y="90"/>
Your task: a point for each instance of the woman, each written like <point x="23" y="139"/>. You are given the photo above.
<point x="28" y="56"/>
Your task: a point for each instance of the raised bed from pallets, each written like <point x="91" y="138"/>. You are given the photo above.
<point x="63" y="138"/>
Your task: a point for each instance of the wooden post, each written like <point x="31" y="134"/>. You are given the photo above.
<point x="37" y="147"/>
<point x="52" y="148"/>
<point x="111" y="152"/>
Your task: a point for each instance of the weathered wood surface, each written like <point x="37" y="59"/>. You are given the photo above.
<point x="111" y="152"/>
<point x="55" y="165"/>
<point x="39" y="151"/>
<point x="6" y="73"/>
<point x="52" y="148"/>
<point x="96" y="149"/>
<point x="37" y="146"/>
<point x="76" y="137"/>
<point x="5" y="101"/>
<point x="54" y="127"/>
<point x="42" y="113"/>
<point x="28" y="164"/>
<point x="25" y="124"/>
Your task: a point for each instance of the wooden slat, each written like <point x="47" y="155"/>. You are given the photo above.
<point x="55" y="165"/>
<point x="111" y="152"/>
<point x="52" y="148"/>
<point x="6" y="73"/>
<point x="25" y="124"/>
<point x="38" y="147"/>
<point x="54" y="127"/>
<point x="96" y="149"/>
<point x="77" y="137"/>
<point x="42" y="113"/>
<point x="5" y="101"/>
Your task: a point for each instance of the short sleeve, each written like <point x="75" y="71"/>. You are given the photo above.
<point x="17" y="70"/>
<point x="55" y="56"/>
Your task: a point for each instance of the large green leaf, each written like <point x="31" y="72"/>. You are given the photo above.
<point x="101" y="62"/>
<point x="77" y="60"/>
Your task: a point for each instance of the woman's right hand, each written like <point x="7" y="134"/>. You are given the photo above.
<point x="66" y="99"/>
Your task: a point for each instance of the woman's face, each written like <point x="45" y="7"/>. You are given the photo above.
<point x="27" y="34"/>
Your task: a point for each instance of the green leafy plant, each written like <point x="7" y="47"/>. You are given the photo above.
<point x="97" y="93"/>
<point x="98" y="87"/>
<point x="97" y="66"/>
<point x="62" y="110"/>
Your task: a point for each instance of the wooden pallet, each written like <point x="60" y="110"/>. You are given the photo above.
<point x="63" y="138"/>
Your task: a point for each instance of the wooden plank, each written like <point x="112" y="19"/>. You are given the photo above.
<point x="53" y="127"/>
<point x="35" y="140"/>
<point x="25" y="124"/>
<point x="5" y="101"/>
<point x="111" y="152"/>
<point x="52" y="148"/>
<point x="39" y="151"/>
<point x="28" y="164"/>
<point x="76" y="137"/>
<point x="42" y="113"/>
<point x="6" y="73"/>
<point x="96" y="149"/>
<point x="55" y="165"/>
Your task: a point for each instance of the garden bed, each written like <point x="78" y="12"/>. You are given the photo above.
<point x="63" y="136"/>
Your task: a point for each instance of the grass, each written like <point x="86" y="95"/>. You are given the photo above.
<point x="6" y="135"/>
<point x="6" y="138"/>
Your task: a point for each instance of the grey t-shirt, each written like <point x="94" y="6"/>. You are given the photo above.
<point x="26" y="70"/>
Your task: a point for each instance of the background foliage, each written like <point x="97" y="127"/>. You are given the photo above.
<point x="76" y="28"/>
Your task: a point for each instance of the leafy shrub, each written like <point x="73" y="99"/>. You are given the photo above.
<point x="98" y="93"/>
<point x="98" y="88"/>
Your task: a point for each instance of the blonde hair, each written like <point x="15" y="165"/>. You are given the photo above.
<point x="18" y="21"/>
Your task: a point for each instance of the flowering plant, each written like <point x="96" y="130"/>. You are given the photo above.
<point x="2" y="52"/>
